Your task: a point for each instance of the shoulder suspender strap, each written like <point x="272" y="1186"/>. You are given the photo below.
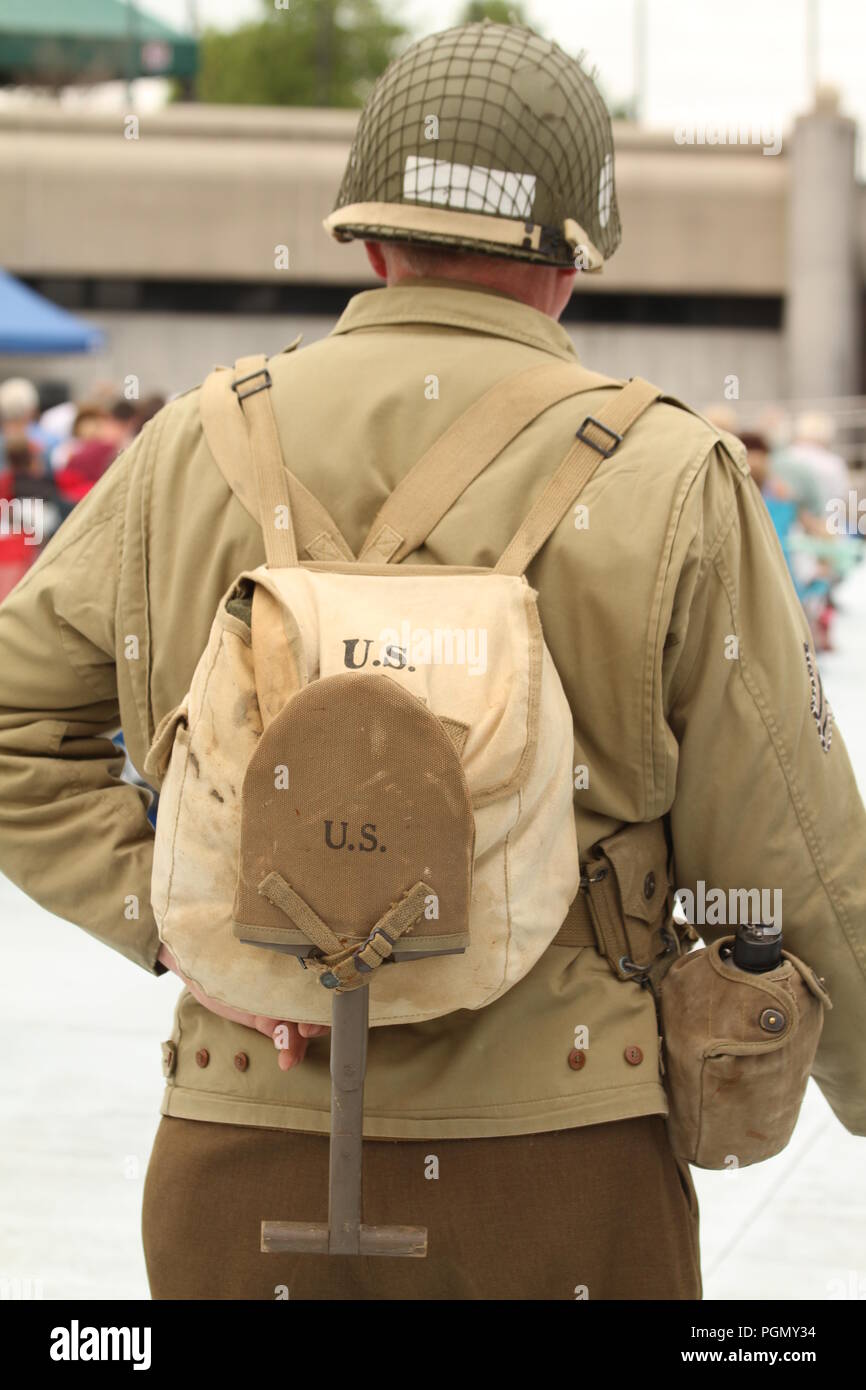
<point x="252" y="386"/>
<point x="239" y="426"/>
<point x="432" y="486"/>
<point x="597" y="439"/>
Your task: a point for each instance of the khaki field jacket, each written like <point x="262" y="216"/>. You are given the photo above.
<point x="680" y="643"/>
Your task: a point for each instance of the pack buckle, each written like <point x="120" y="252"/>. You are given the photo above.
<point x="612" y="434"/>
<point x="241" y="380"/>
<point x="360" y="965"/>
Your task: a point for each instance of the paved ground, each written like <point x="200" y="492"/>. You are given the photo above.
<point x="80" y="1084"/>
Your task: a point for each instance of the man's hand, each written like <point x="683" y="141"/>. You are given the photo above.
<point x="291" y="1043"/>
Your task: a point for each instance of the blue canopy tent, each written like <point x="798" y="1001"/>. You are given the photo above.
<point x="29" y="323"/>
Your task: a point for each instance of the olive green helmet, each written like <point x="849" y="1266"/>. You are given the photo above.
<point x="487" y="138"/>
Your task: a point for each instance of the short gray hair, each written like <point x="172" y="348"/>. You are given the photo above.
<point x="19" y="399"/>
<point x="815" y="427"/>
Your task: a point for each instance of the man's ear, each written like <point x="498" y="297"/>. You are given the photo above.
<point x="376" y="259"/>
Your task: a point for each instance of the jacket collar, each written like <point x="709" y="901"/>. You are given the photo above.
<point x="454" y="305"/>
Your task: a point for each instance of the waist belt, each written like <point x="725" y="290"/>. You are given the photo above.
<point x="624" y="905"/>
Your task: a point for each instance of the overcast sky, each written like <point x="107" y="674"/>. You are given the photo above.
<point x="706" y="60"/>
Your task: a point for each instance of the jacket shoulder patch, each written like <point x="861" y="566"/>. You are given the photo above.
<point x="819" y="704"/>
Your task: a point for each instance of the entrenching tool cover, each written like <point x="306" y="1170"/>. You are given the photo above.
<point x="355" y="801"/>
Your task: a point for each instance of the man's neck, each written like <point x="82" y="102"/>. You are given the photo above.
<point x="452" y="282"/>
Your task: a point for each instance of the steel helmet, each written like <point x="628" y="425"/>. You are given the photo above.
<point x="489" y="138"/>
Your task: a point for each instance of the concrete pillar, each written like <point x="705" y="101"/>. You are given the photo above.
<point x="823" y="303"/>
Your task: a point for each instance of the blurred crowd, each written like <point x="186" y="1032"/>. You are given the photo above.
<point x="50" y="459"/>
<point x="811" y="499"/>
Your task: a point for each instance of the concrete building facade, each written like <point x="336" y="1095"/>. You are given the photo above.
<point x="194" y="235"/>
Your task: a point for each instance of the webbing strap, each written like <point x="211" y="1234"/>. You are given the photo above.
<point x="345" y="967"/>
<point x="577" y="929"/>
<point x="228" y="426"/>
<point x="277" y="891"/>
<point x="598" y="437"/>
<point x="252" y="385"/>
<point x="433" y="484"/>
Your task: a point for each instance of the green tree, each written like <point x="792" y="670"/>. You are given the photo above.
<point x="500" y="11"/>
<point x="313" y="53"/>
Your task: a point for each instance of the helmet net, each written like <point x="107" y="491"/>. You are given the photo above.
<point x="489" y="119"/>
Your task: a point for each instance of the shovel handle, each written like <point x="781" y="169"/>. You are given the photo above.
<point x="312" y="1238"/>
<point x="343" y="1233"/>
<point x="349" y="1019"/>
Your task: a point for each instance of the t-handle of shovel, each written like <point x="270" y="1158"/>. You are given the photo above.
<point x="344" y="1233"/>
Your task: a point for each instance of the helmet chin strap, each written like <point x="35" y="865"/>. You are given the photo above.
<point x="583" y="249"/>
<point x="370" y="219"/>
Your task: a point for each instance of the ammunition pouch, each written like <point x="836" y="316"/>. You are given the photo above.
<point x="738" y="1051"/>
<point x="625" y="903"/>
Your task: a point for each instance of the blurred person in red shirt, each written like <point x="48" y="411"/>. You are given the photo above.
<point x="98" y="436"/>
<point x="30" y="508"/>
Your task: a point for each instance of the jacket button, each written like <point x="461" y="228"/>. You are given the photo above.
<point x="242" y="1061"/>
<point x="633" y="1056"/>
<point x="576" y="1059"/>
<point x="169" y="1057"/>
<point x="202" y="1057"/>
<point x="649" y="885"/>
<point x="772" y="1020"/>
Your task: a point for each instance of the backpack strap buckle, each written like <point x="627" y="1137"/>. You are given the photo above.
<point x="599" y="448"/>
<point x="252" y="376"/>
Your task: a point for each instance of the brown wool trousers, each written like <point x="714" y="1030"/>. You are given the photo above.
<point x="539" y="1216"/>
